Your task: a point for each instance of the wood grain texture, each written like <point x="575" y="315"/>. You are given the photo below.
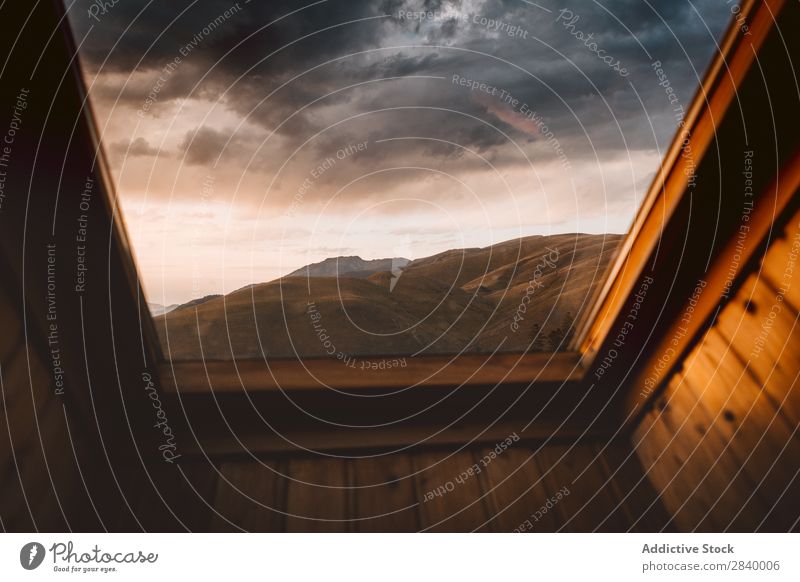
<point x="638" y="500"/>
<point x="709" y="471"/>
<point x="591" y="504"/>
<point x="41" y="469"/>
<point x="317" y="498"/>
<point x="513" y="491"/>
<point x="519" y="493"/>
<point x="11" y="339"/>
<point x="321" y="373"/>
<point x="722" y="447"/>
<point x="459" y="506"/>
<point x="762" y="331"/>
<point x="384" y="494"/>
<point x="250" y="496"/>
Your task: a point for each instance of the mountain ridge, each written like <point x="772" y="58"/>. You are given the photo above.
<point x="346" y="265"/>
<point x="515" y="296"/>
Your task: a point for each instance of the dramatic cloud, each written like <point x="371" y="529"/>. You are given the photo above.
<point x="473" y="106"/>
<point x="134" y="148"/>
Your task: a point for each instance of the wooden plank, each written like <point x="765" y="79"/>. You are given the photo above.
<point x="24" y="398"/>
<point x="322" y="373"/>
<point x="11" y="339"/>
<point x="384" y="492"/>
<point x="16" y="512"/>
<point x="763" y="331"/>
<point x="317" y="499"/>
<point x="784" y="513"/>
<point x="45" y="470"/>
<point x="765" y="334"/>
<point x="196" y="495"/>
<point x="131" y="507"/>
<point x="171" y="498"/>
<point x="77" y="468"/>
<point x="84" y="509"/>
<point x="459" y="506"/>
<point x="780" y="264"/>
<point x="519" y="493"/>
<point x="590" y="504"/>
<point x="44" y="466"/>
<point x="639" y="501"/>
<point x="663" y="459"/>
<point x="53" y="507"/>
<point x="383" y="437"/>
<point x="755" y="430"/>
<point x="698" y="402"/>
<point x="250" y="496"/>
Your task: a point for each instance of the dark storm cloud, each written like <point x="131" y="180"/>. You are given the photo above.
<point x="583" y="101"/>
<point x="207" y="146"/>
<point x="139" y="147"/>
<point x="204" y="145"/>
<point x="147" y="35"/>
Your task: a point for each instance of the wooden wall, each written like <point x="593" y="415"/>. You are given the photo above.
<point x="41" y="484"/>
<point x="606" y="485"/>
<point x="69" y="461"/>
<point x="722" y="444"/>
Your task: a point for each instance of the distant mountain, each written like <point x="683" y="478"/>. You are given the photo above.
<point x="198" y="301"/>
<point x="158" y="309"/>
<point x="349" y="267"/>
<point x="515" y="296"/>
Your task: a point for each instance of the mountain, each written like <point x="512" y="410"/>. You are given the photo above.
<point x="349" y="267"/>
<point x="198" y="301"/>
<point x="519" y="295"/>
<point x="158" y="309"/>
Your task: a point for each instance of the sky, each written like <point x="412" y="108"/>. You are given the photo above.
<point x="249" y="139"/>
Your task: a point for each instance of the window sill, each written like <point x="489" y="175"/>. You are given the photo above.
<point x="368" y="373"/>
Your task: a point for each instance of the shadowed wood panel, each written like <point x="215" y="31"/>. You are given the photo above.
<point x="42" y="469"/>
<point x="639" y="501"/>
<point x="250" y="496"/>
<point x="317" y="498"/>
<point x="21" y="405"/>
<point x="590" y="504"/>
<point x="44" y="457"/>
<point x="384" y="492"/>
<point x="460" y="505"/>
<point x="779" y="266"/>
<point x="172" y="497"/>
<point x="471" y="490"/>
<point x="11" y="339"/>
<point x="519" y="493"/>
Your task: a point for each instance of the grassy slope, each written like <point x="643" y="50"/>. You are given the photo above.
<point x="458" y="300"/>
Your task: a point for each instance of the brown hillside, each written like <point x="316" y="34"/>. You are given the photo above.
<point x="459" y="300"/>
